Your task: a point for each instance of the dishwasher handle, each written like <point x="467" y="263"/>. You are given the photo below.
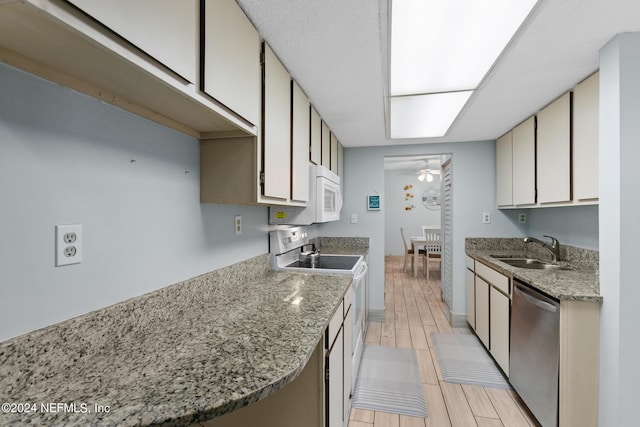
<point x="533" y="299"/>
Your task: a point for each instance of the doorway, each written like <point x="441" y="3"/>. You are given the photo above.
<point x="415" y="187"/>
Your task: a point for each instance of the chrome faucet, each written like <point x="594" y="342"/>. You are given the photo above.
<point x="554" y="247"/>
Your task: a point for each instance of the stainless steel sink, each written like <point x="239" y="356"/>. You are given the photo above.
<point x="532" y="264"/>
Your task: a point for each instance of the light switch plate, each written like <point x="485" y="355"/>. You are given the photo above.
<point x="354" y="218"/>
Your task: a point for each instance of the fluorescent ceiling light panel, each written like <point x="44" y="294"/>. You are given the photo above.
<point x="449" y="45"/>
<point x="424" y="116"/>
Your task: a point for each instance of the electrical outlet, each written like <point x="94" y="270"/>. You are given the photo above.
<point x="522" y="218"/>
<point x="238" y="225"/>
<point x="68" y="244"/>
<point x="486" y="218"/>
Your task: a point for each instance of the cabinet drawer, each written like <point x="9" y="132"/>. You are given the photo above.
<point x="335" y="323"/>
<point x="471" y="263"/>
<point x="496" y="279"/>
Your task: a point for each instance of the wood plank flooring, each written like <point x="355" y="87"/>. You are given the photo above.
<point x="414" y="309"/>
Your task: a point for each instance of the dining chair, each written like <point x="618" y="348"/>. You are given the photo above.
<point x="408" y="252"/>
<point x="433" y="248"/>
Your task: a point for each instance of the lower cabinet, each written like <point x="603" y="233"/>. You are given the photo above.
<point x="488" y="297"/>
<point x="499" y="327"/>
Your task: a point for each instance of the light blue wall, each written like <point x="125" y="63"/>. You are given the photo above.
<point x="572" y="225"/>
<point x="473" y="193"/>
<point x="396" y="213"/>
<point x="132" y="184"/>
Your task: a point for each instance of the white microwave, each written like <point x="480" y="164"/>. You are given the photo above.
<point x="324" y="205"/>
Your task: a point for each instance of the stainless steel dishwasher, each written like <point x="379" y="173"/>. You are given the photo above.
<point x="535" y="351"/>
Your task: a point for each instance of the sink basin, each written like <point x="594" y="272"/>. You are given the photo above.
<point x="532" y="264"/>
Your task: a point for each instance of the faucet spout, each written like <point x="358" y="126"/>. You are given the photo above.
<point x="553" y="247"/>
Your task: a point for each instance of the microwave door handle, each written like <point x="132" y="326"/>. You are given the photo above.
<point x="339" y="200"/>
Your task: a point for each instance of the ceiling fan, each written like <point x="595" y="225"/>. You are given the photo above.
<point x="427" y="173"/>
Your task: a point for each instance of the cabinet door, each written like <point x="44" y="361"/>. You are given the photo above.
<point x="231" y="70"/>
<point x="482" y="311"/>
<point x="316" y="137"/>
<point x="524" y="163"/>
<point x="553" y="151"/>
<point x="334" y="387"/>
<point x="504" y="170"/>
<point x="166" y="30"/>
<point x="299" y="144"/>
<point x="499" y="321"/>
<point x="471" y="298"/>
<point x="340" y="160"/>
<point x="585" y="139"/>
<point x="326" y="145"/>
<point x="334" y="154"/>
<point x="276" y="128"/>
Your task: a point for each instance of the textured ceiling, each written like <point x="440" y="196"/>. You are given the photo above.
<point x="334" y="50"/>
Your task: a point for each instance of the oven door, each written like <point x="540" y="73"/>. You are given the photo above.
<point x="359" y="319"/>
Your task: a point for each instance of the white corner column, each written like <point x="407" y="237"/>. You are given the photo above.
<point x="619" y="210"/>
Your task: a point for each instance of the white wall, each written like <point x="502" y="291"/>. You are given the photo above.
<point x="619" y="230"/>
<point x="67" y="158"/>
<point x="408" y="212"/>
<point x="474" y="166"/>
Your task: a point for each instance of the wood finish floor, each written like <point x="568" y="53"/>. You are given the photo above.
<point x="414" y="309"/>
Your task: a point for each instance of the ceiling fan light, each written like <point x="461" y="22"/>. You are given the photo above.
<point x="422" y="176"/>
<point x="429" y="177"/>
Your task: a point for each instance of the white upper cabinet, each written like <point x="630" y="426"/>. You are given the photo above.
<point x="316" y="137"/>
<point x="167" y="30"/>
<point x="334" y="154"/>
<point x="300" y="144"/>
<point x="585" y="139"/>
<point x="504" y="170"/>
<point x="326" y="145"/>
<point x="231" y="55"/>
<point x="276" y="128"/>
<point x="340" y="161"/>
<point x="524" y="160"/>
<point x="554" y="151"/>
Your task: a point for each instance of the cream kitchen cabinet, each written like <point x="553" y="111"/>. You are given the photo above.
<point x="315" y="152"/>
<point x="504" y="170"/>
<point x="492" y="307"/>
<point x="523" y="164"/>
<point x="334" y="154"/>
<point x="471" y="292"/>
<point x="231" y="70"/>
<point x="276" y="127"/>
<point x="585" y="139"/>
<point x="553" y="152"/>
<point x="326" y="145"/>
<point x="167" y="30"/>
<point x="299" y="144"/>
<point x="340" y="161"/>
<point x="482" y="310"/>
<point x="144" y="62"/>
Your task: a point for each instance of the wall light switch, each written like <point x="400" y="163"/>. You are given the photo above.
<point x="354" y="218"/>
<point x="486" y="218"/>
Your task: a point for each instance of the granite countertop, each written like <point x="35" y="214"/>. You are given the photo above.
<point x="179" y="355"/>
<point x="579" y="284"/>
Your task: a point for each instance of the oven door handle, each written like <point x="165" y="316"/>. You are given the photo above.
<point x="363" y="271"/>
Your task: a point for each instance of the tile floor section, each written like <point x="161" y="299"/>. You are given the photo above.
<point x="414" y="309"/>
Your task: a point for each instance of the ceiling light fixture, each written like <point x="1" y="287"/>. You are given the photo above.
<point x="440" y="52"/>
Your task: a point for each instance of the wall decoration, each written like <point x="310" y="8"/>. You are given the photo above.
<point x="408" y="197"/>
<point x="373" y="202"/>
<point x="431" y="198"/>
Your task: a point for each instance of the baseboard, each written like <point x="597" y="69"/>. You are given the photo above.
<point x="375" y="315"/>
<point x="458" y="320"/>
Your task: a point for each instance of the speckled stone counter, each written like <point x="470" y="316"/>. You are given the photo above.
<point x="343" y="245"/>
<point x="579" y="284"/>
<point x="185" y="353"/>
